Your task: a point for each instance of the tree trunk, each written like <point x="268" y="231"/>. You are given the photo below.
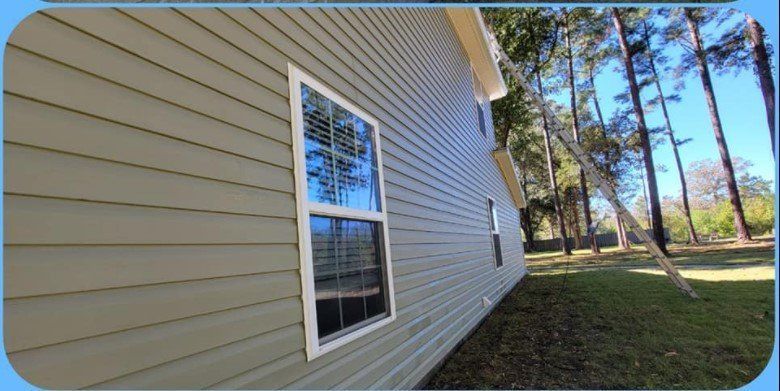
<point x="528" y="230"/>
<point x="692" y="237"/>
<point x="645" y="206"/>
<point x="571" y="196"/>
<point x="655" y="203"/>
<point x="551" y="171"/>
<point x="740" y="225"/>
<point x="594" y="248"/>
<point x="623" y="242"/>
<point x="525" y="214"/>
<point x="764" y="73"/>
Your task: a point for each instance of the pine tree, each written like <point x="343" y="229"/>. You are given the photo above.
<point x="655" y="202"/>
<point x="694" y="18"/>
<point x="652" y="57"/>
<point x="568" y="20"/>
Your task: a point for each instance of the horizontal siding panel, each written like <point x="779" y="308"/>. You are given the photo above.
<point x="53" y="39"/>
<point x="271" y="376"/>
<point x="44" y="320"/>
<point x="33" y="220"/>
<point x="215" y="36"/>
<point x="391" y="64"/>
<point x="410" y="281"/>
<point x="52" y="174"/>
<point x="133" y="36"/>
<point x="407" y="173"/>
<point x="435" y="194"/>
<point x="51" y="82"/>
<point x="439" y="284"/>
<point x="390" y="361"/>
<point x="32" y="123"/>
<point x="406" y="207"/>
<point x="414" y="196"/>
<point x="415" y="223"/>
<point x="404" y="236"/>
<point x="416" y="265"/>
<point x="132" y="350"/>
<point x="47" y="270"/>
<point x="200" y="370"/>
<point x="408" y="251"/>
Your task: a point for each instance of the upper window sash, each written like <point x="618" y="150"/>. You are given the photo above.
<point x="493" y="215"/>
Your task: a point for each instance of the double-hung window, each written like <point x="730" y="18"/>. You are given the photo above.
<point x="479" y="97"/>
<point x="342" y="220"/>
<point x="495" y="235"/>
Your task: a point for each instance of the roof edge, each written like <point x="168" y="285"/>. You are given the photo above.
<point x="474" y="37"/>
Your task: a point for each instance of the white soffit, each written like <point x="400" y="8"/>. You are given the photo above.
<point x="473" y="35"/>
<point x="507" y="166"/>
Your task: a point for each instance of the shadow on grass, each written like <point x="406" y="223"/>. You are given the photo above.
<point x="617" y="329"/>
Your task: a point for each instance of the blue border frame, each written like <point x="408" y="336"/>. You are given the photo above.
<point x="12" y="12"/>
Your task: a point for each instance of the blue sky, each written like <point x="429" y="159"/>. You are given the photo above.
<point x="742" y="114"/>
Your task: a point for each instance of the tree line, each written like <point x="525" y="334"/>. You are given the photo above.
<point x="562" y="51"/>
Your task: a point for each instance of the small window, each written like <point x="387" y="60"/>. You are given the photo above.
<point x="495" y="235"/>
<point x="345" y="257"/>
<point x="479" y="97"/>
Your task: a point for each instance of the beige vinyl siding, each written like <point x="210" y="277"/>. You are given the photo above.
<point x="150" y="227"/>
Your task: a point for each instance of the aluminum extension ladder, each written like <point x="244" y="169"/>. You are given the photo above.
<point x="593" y="174"/>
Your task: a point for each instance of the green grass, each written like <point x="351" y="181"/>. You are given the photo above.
<point x="724" y="252"/>
<point x="618" y="328"/>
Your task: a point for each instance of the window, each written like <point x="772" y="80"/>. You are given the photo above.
<point x="479" y="96"/>
<point x="494" y="233"/>
<point x="342" y="222"/>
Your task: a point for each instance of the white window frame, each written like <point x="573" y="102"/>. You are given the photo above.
<point x="305" y="208"/>
<point x="494" y="230"/>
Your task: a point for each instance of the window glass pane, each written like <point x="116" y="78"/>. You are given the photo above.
<point x="492" y="215"/>
<point x="481" y="119"/>
<point x="497" y="250"/>
<point x="349" y="278"/>
<point x="341" y="163"/>
<point x="325" y="276"/>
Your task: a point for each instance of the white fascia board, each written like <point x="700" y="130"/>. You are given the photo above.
<point x="473" y="36"/>
<point x="507" y="166"/>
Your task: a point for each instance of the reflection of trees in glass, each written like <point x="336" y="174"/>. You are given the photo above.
<point x="348" y="273"/>
<point x="340" y="159"/>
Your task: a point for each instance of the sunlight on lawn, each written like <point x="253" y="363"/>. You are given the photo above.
<point x="747" y="273"/>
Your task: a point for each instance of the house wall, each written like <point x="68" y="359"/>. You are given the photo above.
<point x="150" y="227"/>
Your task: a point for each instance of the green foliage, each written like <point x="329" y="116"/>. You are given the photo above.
<point x="759" y="213"/>
<point x="532" y="37"/>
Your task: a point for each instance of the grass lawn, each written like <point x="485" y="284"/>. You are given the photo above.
<point x="626" y="328"/>
<point x="724" y="252"/>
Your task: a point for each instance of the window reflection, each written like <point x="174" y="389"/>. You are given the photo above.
<point x="348" y="275"/>
<point x="341" y="164"/>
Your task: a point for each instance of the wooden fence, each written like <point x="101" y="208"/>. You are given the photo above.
<point x="603" y="240"/>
